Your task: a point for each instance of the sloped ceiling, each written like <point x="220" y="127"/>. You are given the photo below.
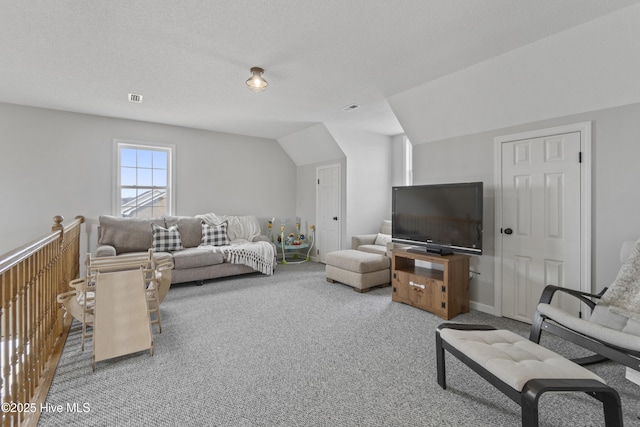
<point x="189" y="59"/>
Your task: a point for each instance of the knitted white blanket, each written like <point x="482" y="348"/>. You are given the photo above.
<point x="257" y="255"/>
<point x="241" y="230"/>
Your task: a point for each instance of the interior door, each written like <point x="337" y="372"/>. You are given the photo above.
<point x="328" y="219"/>
<point x="541" y="216"/>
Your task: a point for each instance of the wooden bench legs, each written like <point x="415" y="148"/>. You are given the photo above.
<point x="532" y="389"/>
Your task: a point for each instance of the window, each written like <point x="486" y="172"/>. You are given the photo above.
<point x="144" y="180"/>
<point x="408" y="162"/>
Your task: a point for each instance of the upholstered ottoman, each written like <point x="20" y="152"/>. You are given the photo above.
<point x="361" y="270"/>
<point x="521" y="369"/>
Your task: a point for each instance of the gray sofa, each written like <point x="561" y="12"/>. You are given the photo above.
<point x="194" y="263"/>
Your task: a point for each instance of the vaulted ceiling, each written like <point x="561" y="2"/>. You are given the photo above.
<point x="190" y="58"/>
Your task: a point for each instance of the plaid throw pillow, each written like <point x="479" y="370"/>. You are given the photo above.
<point x="214" y="235"/>
<point x="166" y="240"/>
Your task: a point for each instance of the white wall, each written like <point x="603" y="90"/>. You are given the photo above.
<point x="368" y="176"/>
<point x="397" y="160"/>
<point x="589" y="72"/>
<point x="306" y="193"/>
<point x="465" y="159"/>
<point x="586" y="68"/>
<point x="311" y="145"/>
<point x="615" y="196"/>
<point x="55" y="162"/>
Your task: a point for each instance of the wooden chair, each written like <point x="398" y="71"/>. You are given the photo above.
<point x="79" y="303"/>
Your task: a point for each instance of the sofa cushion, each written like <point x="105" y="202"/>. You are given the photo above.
<point x="190" y="229"/>
<point x="166" y="239"/>
<point x="127" y="234"/>
<point x="214" y="235"/>
<point x="196" y="257"/>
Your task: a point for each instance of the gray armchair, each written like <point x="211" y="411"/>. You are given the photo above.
<point x="374" y="243"/>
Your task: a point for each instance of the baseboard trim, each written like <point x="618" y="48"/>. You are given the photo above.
<point x="482" y="307"/>
<point x="633" y="376"/>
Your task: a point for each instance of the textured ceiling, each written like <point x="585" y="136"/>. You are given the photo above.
<point x="189" y="59"/>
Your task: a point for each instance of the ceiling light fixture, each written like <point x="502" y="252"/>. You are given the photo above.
<point x="256" y="83"/>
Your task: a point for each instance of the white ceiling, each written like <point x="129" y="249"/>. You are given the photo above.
<point x="190" y="58"/>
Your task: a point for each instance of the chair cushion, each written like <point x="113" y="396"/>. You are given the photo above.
<point x="626" y="337"/>
<point x="196" y="257"/>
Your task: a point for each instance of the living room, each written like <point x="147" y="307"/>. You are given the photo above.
<point x="59" y="160"/>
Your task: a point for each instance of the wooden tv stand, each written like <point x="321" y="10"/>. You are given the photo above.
<point x="444" y="293"/>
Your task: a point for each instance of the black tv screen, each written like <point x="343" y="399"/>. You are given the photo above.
<point x="440" y="218"/>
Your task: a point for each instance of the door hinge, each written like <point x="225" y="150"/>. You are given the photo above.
<point x="318" y="182"/>
<point x="580" y="157"/>
<point x="443" y="305"/>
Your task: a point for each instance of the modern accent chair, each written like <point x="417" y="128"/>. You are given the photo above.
<point x="613" y="329"/>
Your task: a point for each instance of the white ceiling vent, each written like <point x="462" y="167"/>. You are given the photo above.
<point x="350" y="107"/>
<point x="134" y="97"/>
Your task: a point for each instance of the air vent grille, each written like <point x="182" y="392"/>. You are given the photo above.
<point x="134" y="97"/>
<point x="350" y="107"/>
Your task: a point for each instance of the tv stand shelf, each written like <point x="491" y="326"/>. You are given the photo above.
<point x="443" y="292"/>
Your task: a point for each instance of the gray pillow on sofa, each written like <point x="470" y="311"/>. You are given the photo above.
<point x="190" y="229"/>
<point x="127" y="234"/>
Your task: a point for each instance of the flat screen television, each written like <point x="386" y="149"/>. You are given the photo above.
<point x="439" y="218"/>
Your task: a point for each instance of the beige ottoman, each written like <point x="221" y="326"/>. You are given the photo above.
<point x="362" y="270"/>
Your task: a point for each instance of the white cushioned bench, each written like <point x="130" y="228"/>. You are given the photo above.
<point x="361" y="270"/>
<point x="520" y="368"/>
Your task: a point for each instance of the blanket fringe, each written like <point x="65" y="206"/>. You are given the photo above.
<point x="257" y="255"/>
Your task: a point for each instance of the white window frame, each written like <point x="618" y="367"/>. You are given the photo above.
<point x="170" y="149"/>
<point x="408" y="161"/>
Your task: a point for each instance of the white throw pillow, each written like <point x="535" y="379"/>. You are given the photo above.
<point x="623" y="296"/>
<point x="382" y="239"/>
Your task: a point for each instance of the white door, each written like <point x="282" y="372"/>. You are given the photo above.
<point x="328" y="211"/>
<point x="541" y="221"/>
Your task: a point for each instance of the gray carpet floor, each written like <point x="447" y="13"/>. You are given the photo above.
<point x="294" y="350"/>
